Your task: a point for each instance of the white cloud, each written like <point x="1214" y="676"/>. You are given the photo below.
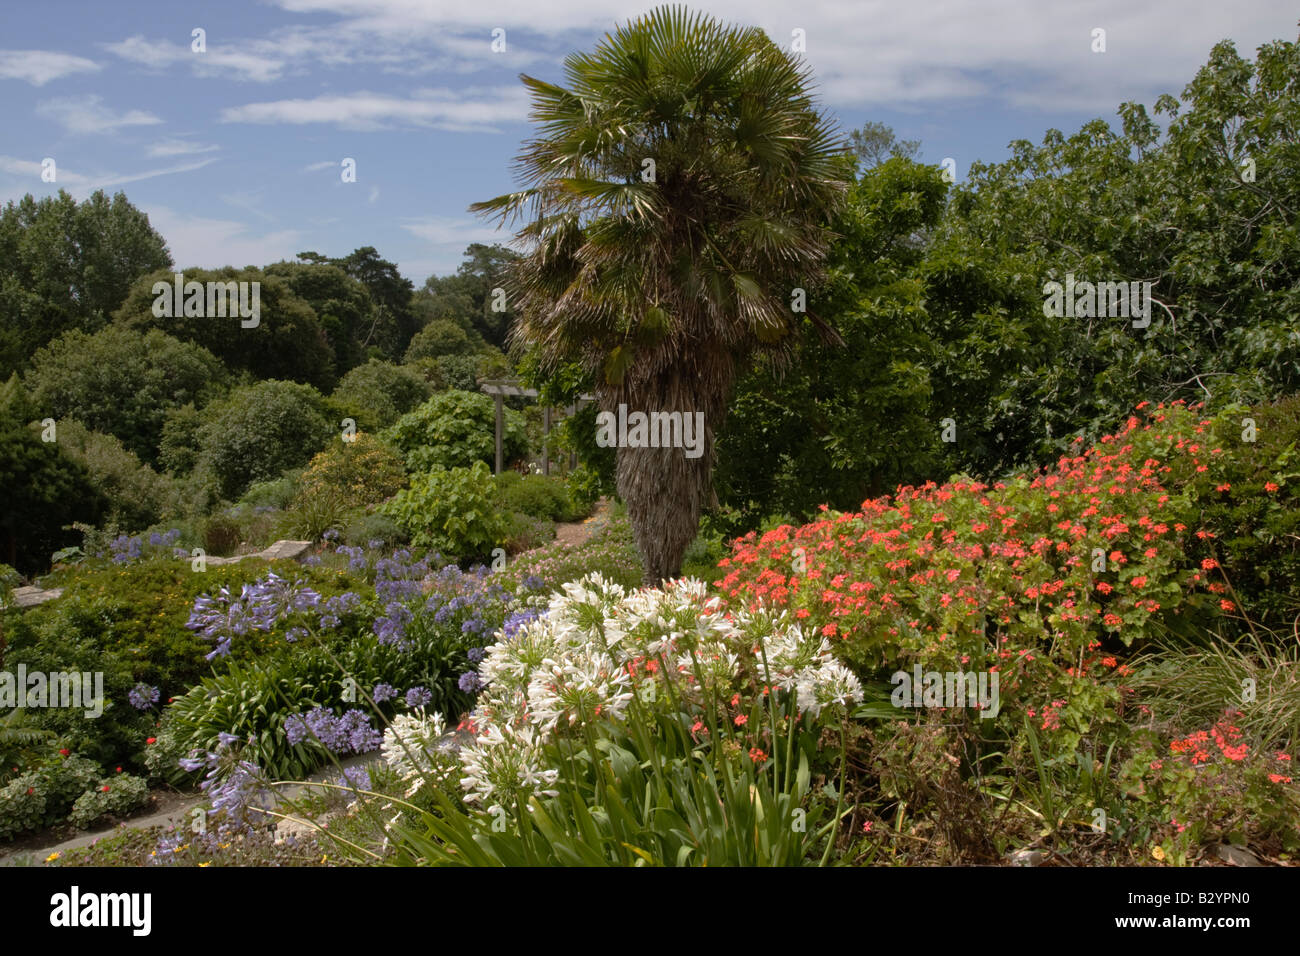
<point x="865" y="53"/>
<point x="449" y="230"/>
<point x="374" y="194"/>
<point x="324" y="164"/>
<point x="87" y="114"/>
<point x="27" y="175"/>
<point x="255" y="60"/>
<point x="39" y="67"/>
<point x="178" y="147"/>
<point x="197" y="242"/>
<point x="469" y="110"/>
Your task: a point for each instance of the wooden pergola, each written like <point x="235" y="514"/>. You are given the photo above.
<point x="499" y="389"/>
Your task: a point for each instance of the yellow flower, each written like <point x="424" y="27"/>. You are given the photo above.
<point x="208" y="863"/>
<point x="53" y="856"/>
<point x="1158" y="852"/>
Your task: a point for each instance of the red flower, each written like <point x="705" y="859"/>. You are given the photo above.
<point x="151" y="740"/>
<point x="104" y="788"/>
<point x="65" y="751"/>
<point x="741" y="720"/>
<point x="1270" y="486"/>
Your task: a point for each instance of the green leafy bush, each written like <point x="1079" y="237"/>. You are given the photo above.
<point x="43" y="796"/>
<point x="360" y="472"/>
<point x="455" y="429"/>
<point x="378" y="393"/>
<point x="363" y="529"/>
<point x="122" y="382"/>
<point x="538" y="496"/>
<point x="440" y="337"/>
<point x="451" y="511"/>
<point x="117" y="795"/>
<point x="260" y="431"/>
<point x="139" y="496"/>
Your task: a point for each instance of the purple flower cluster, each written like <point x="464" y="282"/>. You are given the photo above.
<point x="127" y="548"/>
<point x="336" y="607"/>
<point x="237" y="788"/>
<point x="418" y="697"/>
<point x="469" y="682"/>
<point x="350" y="733"/>
<point x="259" y="607"/>
<point x="383" y="692"/>
<point x="391" y="628"/>
<point x="142" y="696"/>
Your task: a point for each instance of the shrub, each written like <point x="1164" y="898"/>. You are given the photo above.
<point x="453" y="512"/>
<point x="364" y="530"/>
<point x="121" y="382"/>
<point x="524" y="532"/>
<point x="454" y="430"/>
<point x="260" y="431"/>
<point x="42" y="797"/>
<point x="378" y="393"/>
<point x="1043" y="579"/>
<point x="222" y="535"/>
<point x="139" y="496"/>
<point x="116" y="796"/>
<point x="537" y="496"/>
<point x="45" y="490"/>
<point x="440" y="337"/>
<point x="360" y="472"/>
<point x="276" y="493"/>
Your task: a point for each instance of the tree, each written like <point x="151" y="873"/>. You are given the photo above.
<point x="260" y="431"/>
<point x="287" y="341"/>
<point x="65" y="266"/>
<point x="842" y="424"/>
<point x="121" y="381"/>
<point x="378" y="393"/>
<point x="45" y="490"/>
<point x="392" y="322"/>
<point x="439" y="337"/>
<point x="679" y="195"/>
<point x="875" y="143"/>
<point x="342" y="305"/>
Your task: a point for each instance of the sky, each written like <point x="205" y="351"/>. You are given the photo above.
<point x="236" y="152"/>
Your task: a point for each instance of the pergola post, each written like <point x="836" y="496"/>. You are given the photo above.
<point x="546" y="438"/>
<point x="500" y="400"/>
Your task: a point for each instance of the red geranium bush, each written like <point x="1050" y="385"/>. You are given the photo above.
<point x="1045" y="580"/>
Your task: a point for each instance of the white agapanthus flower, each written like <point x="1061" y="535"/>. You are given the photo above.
<point x="582" y="685"/>
<point x="505" y="765"/>
<point x="826" y="685"/>
<point x="410" y="749"/>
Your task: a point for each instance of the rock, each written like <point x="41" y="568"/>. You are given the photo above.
<point x="1236" y="855"/>
<point x="1027" y="857"/>
<point x="31" y="596"/>
<point x="283" y="550"/>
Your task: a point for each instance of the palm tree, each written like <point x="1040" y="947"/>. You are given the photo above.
<point x="676" y="199"/>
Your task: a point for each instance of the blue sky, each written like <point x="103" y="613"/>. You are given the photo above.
<point x="235" y="153"/>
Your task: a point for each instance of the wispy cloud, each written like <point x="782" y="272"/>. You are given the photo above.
<point x="449" y="230"/>
<point x="39" y="67"/>
<point x="324" y="164"/>
<point x="178" y="147"/>
<point x="469" y="110"/>
<point x="88" y="114"/>
<point x="254" y="60"/>
<point x="82" y="184"/>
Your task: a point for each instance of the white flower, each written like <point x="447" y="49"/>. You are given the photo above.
<point x="826" y="685"/>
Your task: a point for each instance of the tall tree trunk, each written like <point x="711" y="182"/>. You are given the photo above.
<point x="666" y="491"/>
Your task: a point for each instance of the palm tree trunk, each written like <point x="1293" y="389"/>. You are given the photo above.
<point x="665" y="490"/>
